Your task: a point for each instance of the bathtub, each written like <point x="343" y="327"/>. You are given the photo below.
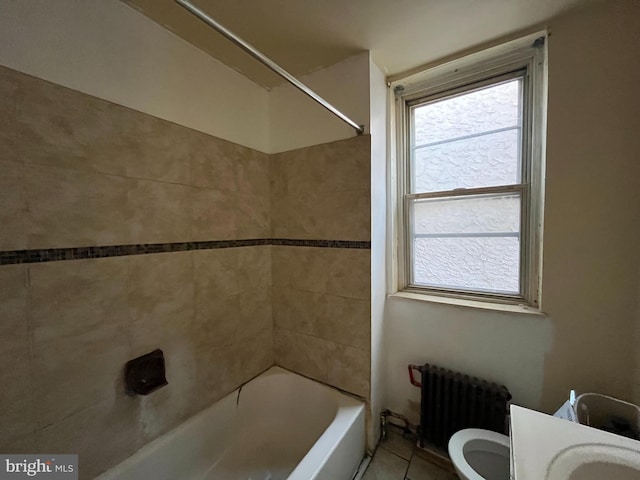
<point x="278" y="426"/>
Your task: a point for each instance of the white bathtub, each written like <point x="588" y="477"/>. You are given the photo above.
<point x="280" y="426"/>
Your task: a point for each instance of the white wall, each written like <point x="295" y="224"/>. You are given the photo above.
<point x="107" y="49"/>
<point x="378" y="243"/>
<point x="502" y="347"/>
<point x="592" y="233"/>
<point x="296" y="121"/>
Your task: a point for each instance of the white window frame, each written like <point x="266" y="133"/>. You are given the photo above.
<point x="527" y="55"/>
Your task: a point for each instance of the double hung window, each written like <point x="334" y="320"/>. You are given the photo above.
<point x="470" y="179"/>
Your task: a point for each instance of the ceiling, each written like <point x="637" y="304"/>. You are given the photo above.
<point x="306" y="35"/>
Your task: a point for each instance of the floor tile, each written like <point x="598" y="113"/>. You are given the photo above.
<point x="421" y="469"/>
<point x="396" y="443"/>
<point x="386" y="466"/>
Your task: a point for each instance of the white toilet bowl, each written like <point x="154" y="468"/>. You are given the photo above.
<point x="480" y="454"/>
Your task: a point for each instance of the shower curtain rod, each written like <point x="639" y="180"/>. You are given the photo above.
<point x="255" y="53"/>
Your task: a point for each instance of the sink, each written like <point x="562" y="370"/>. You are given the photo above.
<point x="595" y="462"/>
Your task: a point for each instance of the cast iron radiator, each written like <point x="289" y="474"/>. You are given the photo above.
<point x="452" y="401"/>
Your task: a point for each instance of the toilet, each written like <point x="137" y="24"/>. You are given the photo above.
<point x="480" y="454"/>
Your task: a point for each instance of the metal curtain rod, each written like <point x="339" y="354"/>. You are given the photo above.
<point x="255" y="53"/>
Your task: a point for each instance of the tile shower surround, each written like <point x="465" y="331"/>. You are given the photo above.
<point x="122" y="233"/>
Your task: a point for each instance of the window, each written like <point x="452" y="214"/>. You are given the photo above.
<point x="470" y="177"/>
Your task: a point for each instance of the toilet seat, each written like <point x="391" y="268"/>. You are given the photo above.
<point x="463" y="437"/>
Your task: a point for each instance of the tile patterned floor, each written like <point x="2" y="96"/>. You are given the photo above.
<point x="396" y="459"/>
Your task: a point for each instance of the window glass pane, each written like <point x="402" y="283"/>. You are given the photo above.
<point x="468" y="243"/>
<point x="481" y="264"/>
<point x="470" y="140"/>
<point x="490" y="108"/>
<point x="484" y="161"/>
<point x="491" y="213"/>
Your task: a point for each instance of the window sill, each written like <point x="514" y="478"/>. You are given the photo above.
<point x="467" y="303"/>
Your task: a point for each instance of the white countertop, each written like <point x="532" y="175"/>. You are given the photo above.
<point x="536" y="438"/>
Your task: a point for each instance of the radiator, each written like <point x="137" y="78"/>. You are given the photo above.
<point x="453" y="401"/>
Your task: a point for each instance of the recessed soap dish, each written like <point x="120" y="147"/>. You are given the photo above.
<point x="145" y="374"/>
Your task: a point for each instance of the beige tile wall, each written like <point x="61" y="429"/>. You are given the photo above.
<point x="69" y="327"/>
<point x="321" y="296"/>
<point x="323" y="192"/>
<point x="78" y="171"/>
<point x="322" y="327"/>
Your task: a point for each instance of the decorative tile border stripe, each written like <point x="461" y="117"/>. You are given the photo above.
<point x="288" y="242"/>
<point x="78" y="253"/>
